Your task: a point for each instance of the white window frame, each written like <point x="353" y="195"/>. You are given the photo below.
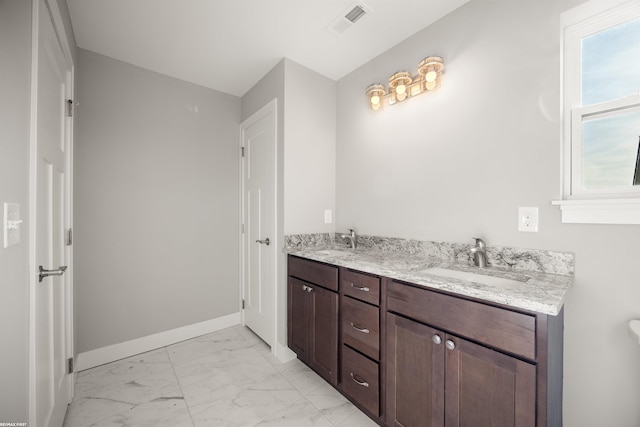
<point x="601" y="206"/>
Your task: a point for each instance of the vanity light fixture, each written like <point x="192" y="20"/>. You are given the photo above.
<point x="403" y="85"/>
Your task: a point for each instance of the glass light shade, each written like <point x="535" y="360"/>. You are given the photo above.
<point x="376" y="93"/>
<point x="431" y="75"/>
<point x="430" y="68"/>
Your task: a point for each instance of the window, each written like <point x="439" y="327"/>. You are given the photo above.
<point x="601" y="109"/>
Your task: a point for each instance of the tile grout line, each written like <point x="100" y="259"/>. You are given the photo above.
<point x="173" y="369"/>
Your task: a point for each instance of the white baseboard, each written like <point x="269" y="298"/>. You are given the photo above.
<point x="111" y="353"/>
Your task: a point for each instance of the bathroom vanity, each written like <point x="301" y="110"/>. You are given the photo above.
<point x="407" y="348"/>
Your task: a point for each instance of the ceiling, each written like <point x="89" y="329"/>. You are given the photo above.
<point x="229" y="45"/>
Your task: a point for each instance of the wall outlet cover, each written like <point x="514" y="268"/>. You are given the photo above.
<point x="528" y="219"/>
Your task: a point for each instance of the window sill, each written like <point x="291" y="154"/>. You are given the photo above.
<point x="599" y="211"/>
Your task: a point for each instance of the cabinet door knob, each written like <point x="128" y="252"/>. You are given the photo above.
<point x="363" y="330"/>
<point x="450" y="344"/>
<point x="360" y="288"/>
<point x="360" y="383"/>
<point x="309" y="289"/>
<point x="436" y="339"/>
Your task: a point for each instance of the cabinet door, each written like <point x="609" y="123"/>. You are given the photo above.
<point x="415" y="374"/>
<point x="487" y="388"/>
<point x="298" y="318"/>
<point x="323" y="354"/>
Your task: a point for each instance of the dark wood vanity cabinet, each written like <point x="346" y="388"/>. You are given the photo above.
<point x="455" y="362"/>
<point x="410" y="356"/>
<point x="312" y="315"/>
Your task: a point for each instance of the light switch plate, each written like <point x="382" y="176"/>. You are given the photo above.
<point x="528" y="219"/>
<point x="11" y="224"/>
<point x="327" y="216"/>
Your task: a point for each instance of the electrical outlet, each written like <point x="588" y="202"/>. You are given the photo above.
<point x="528" y="219"/>
<point x="327" y="216"/>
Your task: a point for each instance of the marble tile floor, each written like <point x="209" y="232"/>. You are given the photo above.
<point x="227" y="378"/>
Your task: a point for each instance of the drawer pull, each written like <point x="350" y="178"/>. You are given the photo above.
<point x="360" y="288"/>
<point x="361" y="383"/>
<point x="363" y="330"/>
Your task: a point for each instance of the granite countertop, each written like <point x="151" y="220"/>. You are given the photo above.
<point x="536" y="291"/>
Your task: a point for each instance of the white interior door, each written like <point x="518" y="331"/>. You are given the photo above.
<point x="51" y="389"/>
<point x="259" y="257"/>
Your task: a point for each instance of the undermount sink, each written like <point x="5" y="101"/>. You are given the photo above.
<point x="335" y="252"/>
<point x="472" y="277"/>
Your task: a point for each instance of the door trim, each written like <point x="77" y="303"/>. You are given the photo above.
<point x="58" y="25"/>
<point x="269" y="108"/>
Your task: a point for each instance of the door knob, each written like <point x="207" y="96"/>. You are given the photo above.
<point x="46" y="273"/>
<point x="436" y="339"/>
<point x="263" y="242"/>
<point x="450" y="345"/>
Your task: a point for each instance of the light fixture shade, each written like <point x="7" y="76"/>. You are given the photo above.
<point x="376" y="93"/>
<point x="398" y="84"/>
<point x="430" y="69"/>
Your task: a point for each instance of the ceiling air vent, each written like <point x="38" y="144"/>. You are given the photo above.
<point x="355" y="13"/>
<point x="348" y="18"/>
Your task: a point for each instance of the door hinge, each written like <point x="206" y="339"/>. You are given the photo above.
<point x="242" y="151"/>
<point x="69" y="236"/>
<point x="70" y="366"/>
<point x="69" y="107"/>
<point x="243" y="304"/>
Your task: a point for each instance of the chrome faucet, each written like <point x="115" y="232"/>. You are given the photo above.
<point x="353" y="242"/>
<point x="479" y="252"/>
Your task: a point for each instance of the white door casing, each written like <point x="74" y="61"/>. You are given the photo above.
<point x="258" y="139"/>
<point x="50" y="387"/>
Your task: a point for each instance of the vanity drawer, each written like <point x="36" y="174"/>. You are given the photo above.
<point x="360" y="380"/>
<point x="361" y="326"/>
<point x="314" y="272"/>
<point x="496" y="327"/>
<point x="361" y="286"/>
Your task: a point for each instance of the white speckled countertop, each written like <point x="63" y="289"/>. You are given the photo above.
<point x="536" y="291"/>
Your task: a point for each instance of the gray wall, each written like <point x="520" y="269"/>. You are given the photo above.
<point x="459" y="162"/>
<point x="15" y="82"/>
<point x="309" y="150"/>
<point x="156" y="203"/>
